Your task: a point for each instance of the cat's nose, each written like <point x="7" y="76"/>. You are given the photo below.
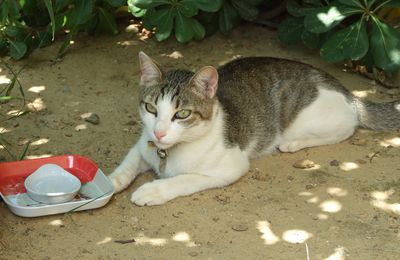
<point x="159" y="135"/>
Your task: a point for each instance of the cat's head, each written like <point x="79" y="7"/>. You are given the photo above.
<point x="178" y="105"/>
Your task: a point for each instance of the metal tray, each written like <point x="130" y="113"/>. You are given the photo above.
<point x="95" y="192"/>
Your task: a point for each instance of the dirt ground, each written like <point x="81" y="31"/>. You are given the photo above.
<point x="347" y="206"/>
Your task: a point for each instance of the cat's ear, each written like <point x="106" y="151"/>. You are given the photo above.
<point x="206" y="81"/>
<point x="150" y="73"/>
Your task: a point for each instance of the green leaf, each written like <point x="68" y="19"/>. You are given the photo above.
<point x="147" y="4"/>
<point x="61" y="4"/>
<point x="136" y="11"/>
<point x="311" y="40"/>
<point x="323" y="19"/>
<point x="115" y="3"/>
<point x="354" y="3"/>
<point x="228" y="16"/>
<point x="163" y="20"/>
<point x="290" y="30"/>
<point x="183" y="28"/>
<point x="3" y="45"/>
<point x="49" y="6"/>
<point x="393" y="3"/>
<point x="188" y="9"/>
<point x="245" y="10"/>
<point x="42" y="39"/>
<point x="17" y="49"/>
<point x="83" y="11"/>
<point x="15" y="32"/>
<point x="206" y="5"/>
<point x="198" y="29"/>
<point x="67" y="42"/>
<point x="349" y="43"/>
<point x="385" y="45"/>
<point x="297" y="10"/>
<point x="107" y="22"/>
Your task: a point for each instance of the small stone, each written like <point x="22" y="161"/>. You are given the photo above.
<point x="132" y="28"/>
<point x="193" y="254"/>
<point x="304" y="164"/>
<point x="358" y="141"/>
<point x="68" y="135"/>
<point x="240" y="227"/>
<point x="92" y="118"/>
<point x="15" y="124"/>
<point x="222" y="199"/>
<point x="131" y="122"/>
<point x="334" y="163"/>
<point x="310" y="186"/>
<point x="361" y="161"/>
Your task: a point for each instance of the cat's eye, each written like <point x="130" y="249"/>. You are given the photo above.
<point x="182" y="114"/>
<point x="150" y="108"/>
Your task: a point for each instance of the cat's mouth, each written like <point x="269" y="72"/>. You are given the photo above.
<point x="163" y="145"/>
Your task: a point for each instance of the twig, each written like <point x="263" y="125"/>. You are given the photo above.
<point x="128" y="241"/>
<point x="307" y="252"/>
<point x="373" y="156"/>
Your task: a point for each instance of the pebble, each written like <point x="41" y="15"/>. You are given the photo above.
<point x="358" y="141"/>
<point x="304" y="164"/>
<point x="240" y="227"/>
<point x="222" y="199"/>
<point x="131" y="122"/>
<point x="93" y="119"/>
<point x="334" y="163"/>
<point x="132" y="28"/>
<point x="193" y="254"/>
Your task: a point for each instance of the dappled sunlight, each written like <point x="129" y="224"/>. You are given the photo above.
<point x="104" y="241"/>
<point x="363" y="93"/>
<point x="38" y="156"/>
<point x="15" y="112"/>
<point x="305" y="193"/>
<point x="4" y="130"/>
<point x="2" y="147"/>
<point x="331" y="16"/>
<point x="267" y="235"/>
<point x="40" y="141"/>
<point x="394" y="142"/>
<point x="397" y="107"/>
<point x="36" y="89"/>
<point x="313" y="200"/>
<point x="185" y="238"/>
<point x="348" y="166"/>
<point x="81" y="127"/>
<point x="379" y="201"/>
<point x="339" y="254"/>
<point x="331" y="206"/>
<point x="143" y="240"/>
<point x="36" y="105"/>
<point x="4" y="79"/>
<point x="174" y="55"/>
<point x="322" y="216"/>
<point x="296" y="236"/>
<point x="336" y="191"/>
<point x="56" y="223"/>
<point x="128" y="43"/>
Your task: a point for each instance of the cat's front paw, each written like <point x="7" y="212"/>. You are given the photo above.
<point x="120" y="180"/>
<point x="152" y="193"/>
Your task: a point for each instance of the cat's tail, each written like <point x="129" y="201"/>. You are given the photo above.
<point x="378" y="116"/>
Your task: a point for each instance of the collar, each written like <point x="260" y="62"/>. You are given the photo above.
<point x="162" y="154"/>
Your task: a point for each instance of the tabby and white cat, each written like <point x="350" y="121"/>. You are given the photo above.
<point x="201" y="129"/>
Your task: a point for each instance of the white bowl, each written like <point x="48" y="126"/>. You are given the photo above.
<point x="51" y="184"/>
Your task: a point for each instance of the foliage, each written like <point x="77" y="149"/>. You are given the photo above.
<point x="6" y="96"/>
<point x="344" y="30"/>
<point x="30" y="24"/>
<point x="191" y="19"/>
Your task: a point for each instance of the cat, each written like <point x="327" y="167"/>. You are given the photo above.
<point x="201" y="129"/>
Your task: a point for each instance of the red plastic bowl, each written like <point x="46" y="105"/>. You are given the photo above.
<point x="13" y="174"/>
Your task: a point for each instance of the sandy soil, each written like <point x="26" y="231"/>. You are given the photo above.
<point x="345" y="207"/>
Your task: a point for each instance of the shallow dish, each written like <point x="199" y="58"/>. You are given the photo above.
<point x="51" y="184"/>
<point x="95" y="192"/>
